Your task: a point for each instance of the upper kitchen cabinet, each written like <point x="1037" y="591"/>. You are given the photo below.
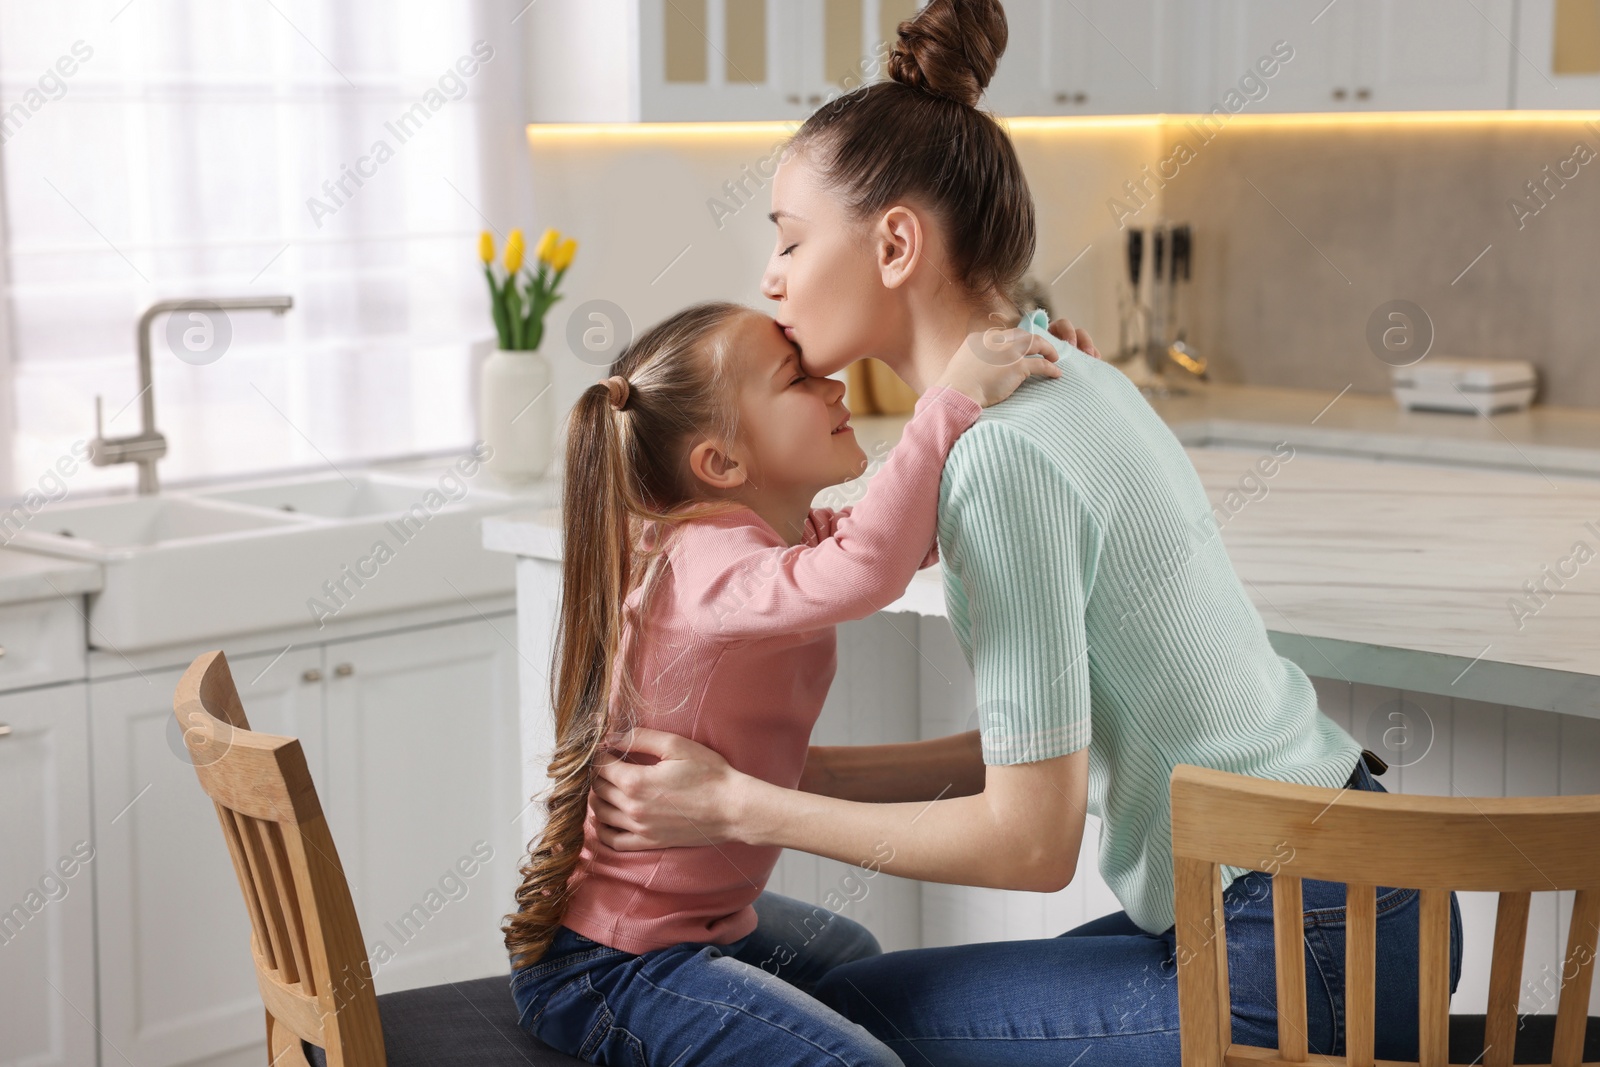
<point x="703" y="60"/>
<point x="1091" y="57"/>
<point x="1558" y="60"/>
<point x="1366" y="55"/>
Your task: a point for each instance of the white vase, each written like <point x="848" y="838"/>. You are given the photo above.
<point x="516" y="414"/>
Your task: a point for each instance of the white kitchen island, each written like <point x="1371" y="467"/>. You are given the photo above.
<point x="1438" y="576"/>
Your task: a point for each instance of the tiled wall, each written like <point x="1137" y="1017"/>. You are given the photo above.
<point x="1302" y="231"/>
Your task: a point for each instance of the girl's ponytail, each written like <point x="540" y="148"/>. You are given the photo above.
<point x="625" y="441"/>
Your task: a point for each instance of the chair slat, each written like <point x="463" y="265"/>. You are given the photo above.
<point x="1360" y="957"/>
<point x="247" y="885"/>
<point x="1433" y="979"/>
<point x="1505" y="979"/>
<point x="1198" y="993"/>
<point x="283" y="878"/>
<point x="271" y="905"/>
<point x="1577" y="974"/>
<point x="1288" y="927"/>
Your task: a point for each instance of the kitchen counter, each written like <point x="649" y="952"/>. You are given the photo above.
<point x="1365" y="564"/>
<point x="28" y="576"/>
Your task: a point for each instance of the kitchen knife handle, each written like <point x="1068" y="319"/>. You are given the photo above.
<point x="1135" y="256"/>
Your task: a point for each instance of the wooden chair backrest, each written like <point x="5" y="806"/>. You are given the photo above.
<point x="1513" y="846"/>
<point x="310" y="962"/>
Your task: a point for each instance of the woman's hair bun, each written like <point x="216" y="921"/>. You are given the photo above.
<point x="951" y="48"/>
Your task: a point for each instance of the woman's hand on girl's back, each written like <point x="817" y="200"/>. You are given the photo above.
<point x="990" y="364"/>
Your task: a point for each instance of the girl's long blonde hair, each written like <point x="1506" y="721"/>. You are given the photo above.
<point x="626" y="483"/>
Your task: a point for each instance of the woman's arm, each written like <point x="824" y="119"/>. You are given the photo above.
<point x="880" y="774"/>
<point x="1023" y="831"/>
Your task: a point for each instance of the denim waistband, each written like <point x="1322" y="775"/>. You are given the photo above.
<point x="1361" y="776"/>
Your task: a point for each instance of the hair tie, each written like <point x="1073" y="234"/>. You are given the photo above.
<point x="617" y="391"/>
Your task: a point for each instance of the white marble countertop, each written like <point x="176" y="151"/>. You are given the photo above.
<point x="1365" y="566"/>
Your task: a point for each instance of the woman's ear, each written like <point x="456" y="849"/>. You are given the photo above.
<point x="899" y="240"/>
<point x="714" y="467"/>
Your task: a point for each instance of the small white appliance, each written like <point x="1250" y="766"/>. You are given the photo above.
<point x="1474" y="386"/>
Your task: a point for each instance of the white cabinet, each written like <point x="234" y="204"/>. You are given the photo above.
<point x="176" y="979"/>
<point x="47" y="981"/>
<point x="1091" y="57"/>
<point x="411" y="739"/>
<point x="1367" y="55"/>
<point x="423" y="795"/>
<point x="1558" y="55"/>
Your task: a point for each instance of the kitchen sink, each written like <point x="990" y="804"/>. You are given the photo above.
<point x="105" y="530"/>
<point x="277" y="555"/>
<point x="335" y="497"/>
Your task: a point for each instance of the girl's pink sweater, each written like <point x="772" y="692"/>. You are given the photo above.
<point x="737" y="652"/>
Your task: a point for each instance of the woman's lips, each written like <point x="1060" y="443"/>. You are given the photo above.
<point x="788" y="331"/>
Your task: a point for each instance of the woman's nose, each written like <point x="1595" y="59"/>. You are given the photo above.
<point x="772" y="282"/>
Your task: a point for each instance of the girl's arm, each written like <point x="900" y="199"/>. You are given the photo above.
<point x="1023" y="831"/>
<point x="876" y="549"/>
<point x="880" y="774"/>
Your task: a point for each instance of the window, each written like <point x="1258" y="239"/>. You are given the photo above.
<point x="345" y="153"/>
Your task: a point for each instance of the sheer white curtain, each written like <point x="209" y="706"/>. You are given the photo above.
<point x="345" y="153"/>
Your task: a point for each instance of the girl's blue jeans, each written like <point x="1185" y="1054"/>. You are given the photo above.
<point x="1107" y="991"/>
<point x="743" y="1004"/>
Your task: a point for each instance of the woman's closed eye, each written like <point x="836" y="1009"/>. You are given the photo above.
<point x="789" y="249"/>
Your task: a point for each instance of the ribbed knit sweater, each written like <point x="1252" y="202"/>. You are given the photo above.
<point x="1087" y="583"/>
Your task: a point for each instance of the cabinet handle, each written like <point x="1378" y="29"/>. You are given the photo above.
<point x="1363" y="94"/>
<point x="1062" y="98"/>
<point x="311" y="674"/>
<point x="5" y="729"/>
<point x="344" y="670"/>
<point x="1339" y="94"/>
<point x="1080" y="98"/>
<point x="814" y="98"/>
<point x="794" y="98"/>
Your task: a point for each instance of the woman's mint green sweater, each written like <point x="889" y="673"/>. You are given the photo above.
<point x="1087" y="583"/>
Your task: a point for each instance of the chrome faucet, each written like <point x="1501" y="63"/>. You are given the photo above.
<point x="149" y="444"/>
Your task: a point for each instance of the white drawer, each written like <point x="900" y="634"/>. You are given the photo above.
<point x="41" y="641"/>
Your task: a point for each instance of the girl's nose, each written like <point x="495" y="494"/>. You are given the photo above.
<point x="833" y="389"/>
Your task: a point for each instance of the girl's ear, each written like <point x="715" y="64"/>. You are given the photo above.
<point x="899" y="240"/>
<point x="714" y="467"/>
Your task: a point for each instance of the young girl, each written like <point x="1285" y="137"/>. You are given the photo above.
<point x="1109" y="637"/>
<point x="700" y="592"/>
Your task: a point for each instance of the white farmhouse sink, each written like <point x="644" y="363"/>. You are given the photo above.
<point x="198" y="565"/>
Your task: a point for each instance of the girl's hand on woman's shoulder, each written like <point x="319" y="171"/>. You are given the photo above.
<point x="1078" y="339"/>
<point x="991" y="364"/>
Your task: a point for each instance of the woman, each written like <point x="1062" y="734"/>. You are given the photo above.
<point x="1108" y="634"/>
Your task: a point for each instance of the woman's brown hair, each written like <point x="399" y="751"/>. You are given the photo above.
<point x="625" y="484"/>
<point x="919" y="136"/>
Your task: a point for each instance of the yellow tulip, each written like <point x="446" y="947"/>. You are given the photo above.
<point x="514" y="250"/>
<point x="561" y="259"/>
<point x="486" y="247"/>
<point x="547" y="246"/>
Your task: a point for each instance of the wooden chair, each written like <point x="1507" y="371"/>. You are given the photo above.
<point x="311" y="965"/>
<point x="1513" y="846"/>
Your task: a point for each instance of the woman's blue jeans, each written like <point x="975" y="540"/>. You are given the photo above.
<point x="1107" y="991"/>
<point x="743" y="1004"/>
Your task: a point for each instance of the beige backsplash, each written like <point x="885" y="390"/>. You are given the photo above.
<point x="1302" y="228"/>
<point x="1302" y="231"/>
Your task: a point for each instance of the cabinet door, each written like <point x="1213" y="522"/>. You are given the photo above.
<point x="1110" y="57"/>
<point x="1318" y="77"/>
<point x="1557" y="64"/>
<point x="709" y="60"/>
<point x="176" y="978"/>
<point x="1425" y="55"/>
<point x="423" y="795"/>
<point x="47" y="859"/>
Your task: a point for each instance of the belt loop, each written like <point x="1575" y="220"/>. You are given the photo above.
<point x="1375" y="766"/>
